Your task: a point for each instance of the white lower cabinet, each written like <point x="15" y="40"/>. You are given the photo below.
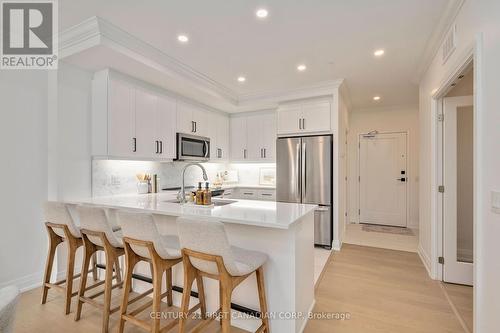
<point x="268" y="195"/>
<point x="250" y="194"/>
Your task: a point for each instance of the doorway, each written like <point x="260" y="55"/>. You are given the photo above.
<point x="457" y="126"/>
<point x="383" y="178"/>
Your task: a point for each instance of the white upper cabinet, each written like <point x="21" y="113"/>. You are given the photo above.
<point x="129" y="121"/>
<point x="192" y="119"/>
<point x="219" y="137"/>
<point x="166" y="126"/>
<point x="120" y="138"/>
<point x="304" y="117"/>
<point x="253" y="137"/>
<point x="238" y="138"/>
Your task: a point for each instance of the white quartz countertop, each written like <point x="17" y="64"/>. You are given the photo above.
<point x="269" y="214"/>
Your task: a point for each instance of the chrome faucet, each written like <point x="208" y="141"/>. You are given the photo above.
<point x="181" y="196"/>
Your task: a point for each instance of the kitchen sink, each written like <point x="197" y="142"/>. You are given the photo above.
<point x="214" y="202"/>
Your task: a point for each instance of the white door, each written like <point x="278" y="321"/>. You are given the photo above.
<point x="185" y="123"/>
<point x="269" y="136"/>
<point x="288" y="119"/>
<point x="254" y="138"/>
<point x="222" y="137"/>
<point x="145" y="124"/>
<point x="166" y="125"/>
<point x="238" y="138"/>
<point x="383" y="179"/>
<point x="316" y="116"/>
<point x="121" y="120"/>
<point x="458" y="161"/>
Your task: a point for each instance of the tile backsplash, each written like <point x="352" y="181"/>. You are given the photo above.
<point x="112" y="177"/>
<point x="115" y="177"/>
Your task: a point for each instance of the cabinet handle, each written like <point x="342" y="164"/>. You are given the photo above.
<point x="303" y="123"/>
<point x="244" y="153"/>
<point x="300" y="123"/>
<point x="195" y="126"/>
<point x="192" y="126"/>
<point x="247" y="193"/>
<point x="264" y="152"/>
<point x="161" y="147"/>
<point x="134" y="145"/>
<point x="157" y="147"/>
<point x="266" y="194"/>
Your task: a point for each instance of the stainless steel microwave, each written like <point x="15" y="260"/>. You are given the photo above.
<point x="192" y="147"/>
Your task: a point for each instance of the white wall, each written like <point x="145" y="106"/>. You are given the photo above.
<point x="23" y="142"/>
<point x="341" y="139"/>
<point x="388" y="119"/>
<point x="476" y="19"/>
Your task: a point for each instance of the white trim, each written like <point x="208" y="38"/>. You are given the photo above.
<point x="26" y="283"/>
<point x="304" y="324"/>
<point x="336" y="245"/>
<point x="425" y="260"/>
<point x="97" y="32"/>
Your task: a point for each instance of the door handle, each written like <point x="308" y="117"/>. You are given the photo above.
<point x="264" y="152"/>
<point x="161" y="147"/>
<point x="195" y="127"/>
<point x="402" y="179"/>
<point x="134" y="145"/>
<point x="299" y="169"/>
<point x="244" y="153"/>
<point x="157" y="144"/>
<point x="304" y="170"/>
<point x="300" y="123"/>
<point x="205" y="149"/>
<point x="192" y="126"/>
<point x="303" y="123"/>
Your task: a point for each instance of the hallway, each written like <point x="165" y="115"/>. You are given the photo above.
<point x="381" y="291"/>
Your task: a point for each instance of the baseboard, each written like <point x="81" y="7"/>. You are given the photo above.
<point x="425" y="260"/>
<point x="336" y="245"/>
<point x="304" y="324"/>
<point x="25" y="283"/>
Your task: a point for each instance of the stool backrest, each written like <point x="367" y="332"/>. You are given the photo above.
<point x="141" y="226"/>
<point x="58" y="213"/>
<point x="95" y="219"/>
<point x="206" y="237"/>
<point x="8" y="300"/>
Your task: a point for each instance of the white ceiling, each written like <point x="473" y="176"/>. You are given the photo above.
<point x="334" y="38"/>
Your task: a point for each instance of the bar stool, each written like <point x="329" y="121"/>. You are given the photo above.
<point x="206" y="251"/>
<point x="98" y="235"/>
<point x="61" y="228"/>
<point x="143" y="242"/>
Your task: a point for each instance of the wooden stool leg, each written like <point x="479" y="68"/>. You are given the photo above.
<point x="88" y="253"/>
<point x="54" y="240"/>
<point x="262" y="297"/>
<point x="220" y="302"/>
<point x="189" y="276"/>
<point x="118" y="271"/>
<point x="226" y="308"/>
<point x="130" y="262"/>
<point x="157" y="281"/>
<point x="201" y="296"/>
<point x="170" y="300"/>
<point x="107" y="292"/>
<point x="94" y="266"/>
<point x="70" y="270"/>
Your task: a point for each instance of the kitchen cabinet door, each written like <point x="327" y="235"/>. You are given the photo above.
<point x="223" y="137"/>
<point x="166" y="126"/>
<point x="145" y="124"/>
<point x="288" y="118"/>
<point x="185" y="122"/>
<point x="201" y="122"/>
<point x="268" y="122"/>
<point x="211" y="125"/>
<point x="121" y="120"/>
<point x="254" y="138"/>
<point x="238" y="138"/>
<point x="316" y="116"/>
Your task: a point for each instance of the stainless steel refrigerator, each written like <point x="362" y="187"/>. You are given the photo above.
<point x="304" y="175"/>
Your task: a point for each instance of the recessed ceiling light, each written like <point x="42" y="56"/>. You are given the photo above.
<point x="261" y="13"/>
<point x="241" y="79"/>
<point x="301" y="68"/>
<point x="379" y="53"/>
<point x="183" y="38"/>
<point x="376" y="98"/>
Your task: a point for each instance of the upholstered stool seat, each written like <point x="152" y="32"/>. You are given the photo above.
<point x="206" y="251"/>
<point x="143" y="242"/>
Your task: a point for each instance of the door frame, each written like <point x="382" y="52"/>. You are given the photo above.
<point x="408" y="173"/>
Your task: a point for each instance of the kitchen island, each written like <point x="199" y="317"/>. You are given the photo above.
<point x="284" y="231"/>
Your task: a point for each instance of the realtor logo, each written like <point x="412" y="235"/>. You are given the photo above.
<point x="28" y="35"/>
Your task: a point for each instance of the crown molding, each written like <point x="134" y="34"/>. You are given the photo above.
<point x="434" y="42"/>
<point x="96" y="32"/>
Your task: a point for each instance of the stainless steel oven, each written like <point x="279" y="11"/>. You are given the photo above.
<point x="192" y="147"/>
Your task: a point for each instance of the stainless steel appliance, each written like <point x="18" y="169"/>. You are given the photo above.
<point x="304" y="175"/>
<point x="192" y="147"/>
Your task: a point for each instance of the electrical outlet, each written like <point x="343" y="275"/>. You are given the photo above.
<point x="495" y="202"/>
<point x="114" y="180"/>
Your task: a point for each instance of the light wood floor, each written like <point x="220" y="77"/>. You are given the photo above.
<point x="382" y="291"/>
<point x="356" y="235"/>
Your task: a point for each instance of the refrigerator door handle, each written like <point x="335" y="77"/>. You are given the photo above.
<point x="303" y="171"/>
<point x="299" y="171"/>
